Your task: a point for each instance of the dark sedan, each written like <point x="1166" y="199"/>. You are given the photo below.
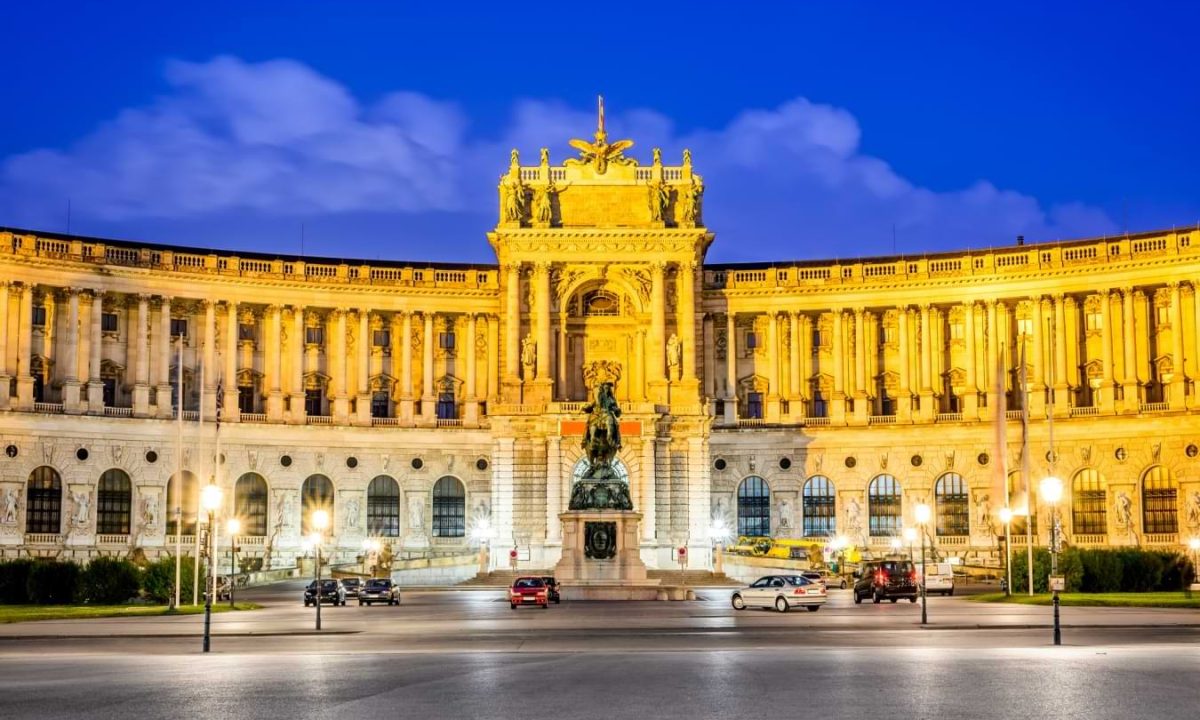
<point x="332" y="592"/>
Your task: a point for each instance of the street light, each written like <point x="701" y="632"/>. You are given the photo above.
<point x="839" y="546"/>
<point x="1006" y="516"/>
<point x="895" y="546"/>
<point x="210" y="500"/>
<point x="1194" y="546"/>
<point x="922" y="520"/>
<point x="319" y="521"/>
<point x="370" y="546"/>
<point x="910" y="534"/>
<point x="718" y="535"/>
<point x="1051" y="490"/>
<point x="234" y="527"/>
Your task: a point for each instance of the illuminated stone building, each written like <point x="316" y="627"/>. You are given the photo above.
<point x="436" y="406"/>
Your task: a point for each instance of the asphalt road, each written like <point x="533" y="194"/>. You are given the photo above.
<point x="467" y="655"/>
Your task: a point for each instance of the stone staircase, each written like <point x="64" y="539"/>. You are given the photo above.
<point x="691" y="578"/>
<point x="500" y="578"/>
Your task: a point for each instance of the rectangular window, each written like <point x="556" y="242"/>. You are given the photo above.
<point x="1163" y="315"/>
<point x="39" y="316"/>
<point x="246" y="398"/>
<point x="179" y="327"/>
<point x="314" y="335"/>
<point x="818" y="405"/>
<point x="1025" y="326"/>
<point x="751" y="340"/>
<point x="108" y="322"/>
<point x="379" y="405"/>
<point x="314" y="403"/>
<point x="1094" y="321"/>
<point x="754" y="409"/>
<point x="446" y="340"/>
<point x="246" y="331"/>
<point x="887" y="334"/>
<point x="816" y="338"/>
<point x="110" y="392"/>
<point x="957" y="331"/>
<point x="383" y="338"/>
<point x="446" y="409"/>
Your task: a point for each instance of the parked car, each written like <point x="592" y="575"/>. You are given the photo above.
<point x="379" y="590"/>
<point x="939" y="578"/>
<point x="529" y="591"/>
<point x="826" y="578"/>
<point x="332" y="592"/>
<point x="782" y="592"/>
<point x="552" y="589"/>
<point x="353" y="586"/>
<point x="885" y="580"/>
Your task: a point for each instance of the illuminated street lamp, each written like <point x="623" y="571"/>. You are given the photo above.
<point x="319" y="521"/>
<point x="1194" y="546"/>
<point x="371" y="547"/>
<point x="210" y="500"/>
<point x="1051" y="490"/>
<point x="839" y="547"/>
<point x="910" y="534"/>
<point x="895" y="546"/>
<point x="718" y="535"/>
<point x="234" y="528"/>
<point x="1006" y="516"/>
<point x="922" y="516"/>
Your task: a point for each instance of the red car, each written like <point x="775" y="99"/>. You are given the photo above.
<point x="529" y="591"/>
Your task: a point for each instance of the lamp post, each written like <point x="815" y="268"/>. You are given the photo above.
<point x="1006" y="516"/>
<point x="1194" y="546"/>
<point x="319" y="521"/>
<point x="895" y="546"/>
<point x="922" y="516"/>
<point x="1051" y="491"/>
<point x="370" y="547"/>
<point x="839" y="546"/>
<point x="910" y="534"/>
<point x="718" y="534"/>
<point x="210" y="500"/>
<point x="234" y="528"/>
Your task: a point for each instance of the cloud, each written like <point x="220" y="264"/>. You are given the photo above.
<point x="278" y="140"/>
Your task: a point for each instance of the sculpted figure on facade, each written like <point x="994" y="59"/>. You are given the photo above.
<point x="528" y="355"/>
<point x="659" y="198"/>
<point x="352" y="512"/>
<point x="787" y="518"/>
<point x="599" y="152"/>
<point x="10" y="507"/>
<point x="1193" y="511"/>
<point x="543" y="202"/>
<point x="416" y="514"/>
<point x="512" y="199"/>
<point x="688" y="202"/>
<point x="674" y="355"/>
<point x="83" y="505"/>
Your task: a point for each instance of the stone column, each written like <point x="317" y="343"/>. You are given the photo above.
<point x="687" y="319"/>
<point x="804" y="389"/>
<point x="493" y="358"/>
<point x="1037" y="360"/>
<point x="471" y="415"/>
<point x="561" y="391"/>
<point x="541" y="291"/>
<point x="362" y="403"/>
<point x="273" y="357"/>
<point x="772" y="399"/>
<point x="512" y="323"/>
<point x="95" y="385"/>
<point x="904" y="357"/>
<point x="656" y="377"/>
<point x="992" y="359"/>
<point x="141" y="331"/>
<point x="554" y="490"/>
<point x="971" y="396"/>
<point x="406" y="383"/>
<point x="1129" y="340"/>
<point x="1175" y="390"/>
<point x="731" y="368"/>
<point x="341" y="397"/>
<point x="708" y="340"/>
<point x="639" y="365"/>
<point x="795" y="391"/>
<point x="208" y="395"/>
<point x="837" y="403"/>
<point x="428" y="399"/>
<point x="861" y="411"/>
<point x="1195" y="364"/>
<point x="167" y="352"/>
<point x="649" y="485"/>
<point x="297" y="413"/>
<point x="926" y="391"/>
<point x="1107" y="387"/>
<point x="1061" y="399"/>
<point x="70" y="371"/>
<point x="5" y="376"/>
<point x="229" y="379"/>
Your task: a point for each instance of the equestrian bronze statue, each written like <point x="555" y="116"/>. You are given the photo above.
<point x="601" y="486"/>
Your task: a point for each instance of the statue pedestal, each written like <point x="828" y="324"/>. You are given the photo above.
<point x="586" y="574"/>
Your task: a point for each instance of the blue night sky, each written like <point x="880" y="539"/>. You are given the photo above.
<point x="822" y="130"/>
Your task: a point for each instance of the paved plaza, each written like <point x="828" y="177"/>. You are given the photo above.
<point x="458" y="654"/>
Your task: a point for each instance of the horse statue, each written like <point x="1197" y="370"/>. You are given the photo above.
<point x="602" y="439"/>
<point x="600" y="487"/>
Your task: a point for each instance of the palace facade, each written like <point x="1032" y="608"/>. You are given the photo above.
<point x="437" y="407"/>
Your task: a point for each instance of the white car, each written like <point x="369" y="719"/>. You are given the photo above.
<point x="826" y="578"/>
<point x="939" y="578"/>
<point x="782" y="592"/>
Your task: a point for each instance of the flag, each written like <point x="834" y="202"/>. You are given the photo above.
<point x="220" y="402"/>
<point x="1002" y="426"/>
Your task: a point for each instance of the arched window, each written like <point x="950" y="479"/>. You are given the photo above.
<point x="583" y="464"/>
<point x="250" y="504"/>
<point x="316" y="494"/>
<point x="953" y="507"/>
<point x="883" y="506"/>
<point x="754" y="507"/>
<point x="449" y="508"/>
<point x="383" y="507"/>
<point x="820" y="509"/>
<point x="190" y="506"/>
<point x="1089" y="503"/>
<point x="114" y="500"/>
<point x="43" y="501"/>
<point x="1159" y="497"/>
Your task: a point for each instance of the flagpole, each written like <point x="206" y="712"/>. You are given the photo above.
<point x="1025" y="470"/>
<point x="1002" y="457"/>
<point x="200" y="462"/>
<point x="178" y="472"/>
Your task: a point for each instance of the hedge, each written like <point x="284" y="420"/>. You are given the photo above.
<point x="110" y="581"/>
<point x="104" y="581"/>
<point x="1096" y="570"/>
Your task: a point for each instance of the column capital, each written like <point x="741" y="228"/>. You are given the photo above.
<point x="510" y="266"/>
<point x="1173" y="285"/>
<point x="165" y="299"/>
<point x="858" y="312"/>
<point x="658" y="267"/>
<point x="541" y="267"/>
<point x="207" y="303"/>
<point x="690" y="265"/>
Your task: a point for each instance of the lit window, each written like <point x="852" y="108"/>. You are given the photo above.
<point x="314" y="335"/>
<point x="446" y="340"/>
<point x="1025" y="326"/>
<point x="1094" y="321"/>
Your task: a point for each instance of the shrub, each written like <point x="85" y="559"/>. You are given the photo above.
<point x="110" y="581"/>
<point x="14" y="581"/>
<point x="158" y="580"/>
<point x="1120" y="570"/>
<point x="53" y="583"/>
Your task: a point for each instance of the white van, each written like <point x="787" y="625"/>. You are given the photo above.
<point x="939" y="578"/>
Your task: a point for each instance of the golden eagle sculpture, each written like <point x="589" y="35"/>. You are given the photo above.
<point x="600" y="152"/>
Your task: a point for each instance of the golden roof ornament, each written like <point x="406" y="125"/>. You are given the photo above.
<point x="600" y="152"/>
